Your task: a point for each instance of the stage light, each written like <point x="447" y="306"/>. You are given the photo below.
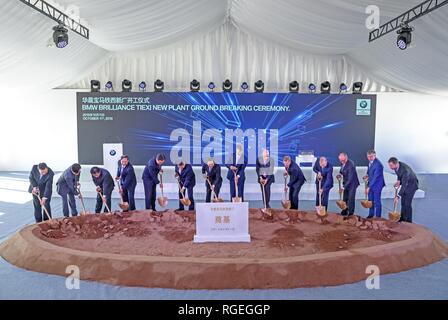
<point x="259" y="86"/>
<point x="357" y="87"/>
<point x="244" y="87"/>
<point x="343" y="88"/>
<point x="159" y="86"/>
<point x="294" y="87"/>
<point x="211" y="86"/>
<point x="60" y="36"/>
<point x="109" y="86"/>
<point x="227" y="86"/>
<point x="126" y="85"/>
<point x="195" y="86"/>
<point x="325" y="87"/>
<point x="312" y="88"/>
<point x="404" y="38"/>
<point x="95" y="86"/>
<point x="142" y="86"/>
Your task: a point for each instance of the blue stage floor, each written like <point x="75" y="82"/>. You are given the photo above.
<point x="430" y="282"/>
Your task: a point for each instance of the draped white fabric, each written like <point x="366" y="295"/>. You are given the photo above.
<point x="245" y="40"/>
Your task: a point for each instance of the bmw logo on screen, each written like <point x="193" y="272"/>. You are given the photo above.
<point x="113" y="153"/>
<point x="363" y="107"/>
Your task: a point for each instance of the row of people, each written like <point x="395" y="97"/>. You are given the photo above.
<point x="41" y="182"/>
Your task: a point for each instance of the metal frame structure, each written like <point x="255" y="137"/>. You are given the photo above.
<point x="58" y="16"/>
<point x="410" y="15"/>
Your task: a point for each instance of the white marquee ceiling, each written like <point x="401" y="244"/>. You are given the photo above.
<point x="275" y="40"/>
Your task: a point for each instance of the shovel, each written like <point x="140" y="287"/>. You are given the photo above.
<point x="81" y="198"/>
<point x="183" y="200"/>
<point x="267" y="211"/>
<point x="215" y="196"/>
<point x="104" y="202"/>
<point x="395" y="216"/>
<point x="237" y="198"/>
<point x="366" y="203"/>
<point x="123" y="205"/>
<point x="341" y="204"/>
<point x="321" y="211"/>
<point x="50" y="221"/>
<point x="163" y="201"/>
<point x="286" y="203"/>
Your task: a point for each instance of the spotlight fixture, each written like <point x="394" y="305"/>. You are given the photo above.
<point x="227" y="86"/>
<point x="404" y="38"/>
<point x="312" y="88"/>
<point x="259" y="86"/>
<point x="357" y="87"/>
<point x="211" y="86"/>
<point x="325" y="87"/>
<point x="159" y="85"/>
<point x="142" y="86"/>
<point x="60" y="36"/>
<point x="294" y="87"/>
<point x="126" y="85"/>
<point x="95" y="86"/>
<point x="244" y="87"/>
<point x="343" y="88"/>
<point x="109" y="86"/>
<point x="195" y="86"/>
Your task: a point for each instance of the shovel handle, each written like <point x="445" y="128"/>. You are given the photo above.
<point x="104" y="202"/>
<point x="43" y="207"/>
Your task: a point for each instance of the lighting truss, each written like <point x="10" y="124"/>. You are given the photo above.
<point x="409" y="16"/>
<point x="58" y="16"/>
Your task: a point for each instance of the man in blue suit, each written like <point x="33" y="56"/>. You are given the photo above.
<point x="407" y="179"/>
<point x="212" y="171"/>
<point x="296" y="181"/>
<point x="105" y="184"/>
<point x="41" y="183"/>
<point x="265" y="171"/>
<point x="375" y="184"/>
<point x="150" y="179"/>
<point x="324" y="172"/>
<point x="236" y="165"/>
<point x="350" y="183"/>
<point x="128" y="181"/>
<point x="187" y="179"/>
<point x="67" y="187"/>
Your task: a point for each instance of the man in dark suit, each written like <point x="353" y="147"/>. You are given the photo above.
<point x="67" y="187"/>
<point x="150" y="179"/>
<point x="212" y="172"/>
<point x="237" y="165"/>
<point x="105" y="184"/>
<point x="296" y="181"/>
<point x="265" y="171"/>
<point x="41" y="183"/>
<point x="375" y="184"/>
<point x="324" y="173"/>
<point x="350" y="183"/>
<point x="407" y="179"/>
<point x="128" y="181"/>
<point x="187" y="181"/>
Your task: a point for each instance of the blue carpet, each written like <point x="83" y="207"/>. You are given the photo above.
<point x="430" y="282"/>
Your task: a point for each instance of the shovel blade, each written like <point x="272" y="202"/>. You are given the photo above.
<point x="321" y="212"/>
<point x="341" y="204"/>
<point x="367" y="204"/>
<point x="394" y="216"/>
<point x="163" y="201"/>
<point x="286" y="204"/>
<point x="237" y="199"/>
<point x="124" y="206"/>
<point x="218" y="200"/>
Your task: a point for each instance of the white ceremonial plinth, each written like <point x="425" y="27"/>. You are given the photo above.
<point x="222" y="222"/>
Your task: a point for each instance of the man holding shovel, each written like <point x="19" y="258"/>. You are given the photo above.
<point x="407" y="180"/>
<point x="324" y="173"/>
<point x="375" y="184"/>
<point x="212" y="172"/>
<point x="67" y="187"/>
<point x="350" y="183"/>
<point x="128" y="181"/>
<point x="41" y="186"/>
<point x="104" y="186"/>
<point x="265" y="171"/>
<point x="296" y="181"/>
<point x="237" y="164"/>
<point x="187" y="181"/>
<point x="150" y="179"/>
